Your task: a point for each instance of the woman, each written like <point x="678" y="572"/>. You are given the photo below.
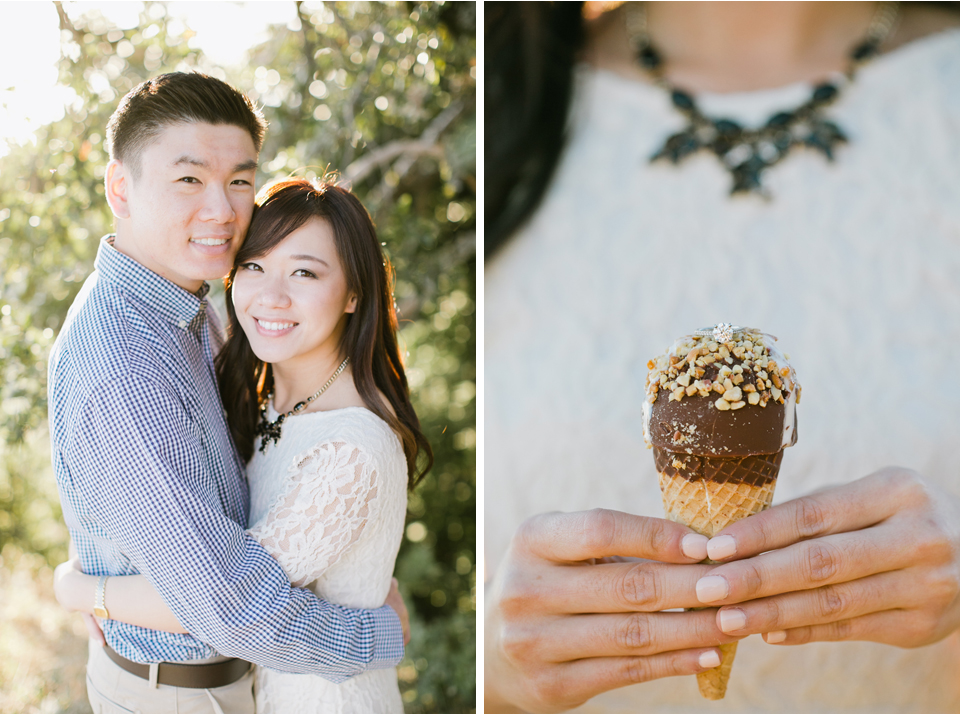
<point x="310" y="304"/>
<point x="605" y="257"/>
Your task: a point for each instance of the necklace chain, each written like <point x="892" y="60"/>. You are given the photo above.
<point x="270" y="430"/>
<point x="745" y="152"/>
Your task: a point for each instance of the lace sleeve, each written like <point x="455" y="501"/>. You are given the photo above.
<point x="322" y="512"/>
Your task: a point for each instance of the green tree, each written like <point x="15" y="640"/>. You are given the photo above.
<point x="384" y="93"/>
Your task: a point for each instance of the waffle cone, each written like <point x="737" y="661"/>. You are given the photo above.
<point x="726" y="491"/>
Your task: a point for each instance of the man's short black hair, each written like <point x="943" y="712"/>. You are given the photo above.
<point x="177" y="98"/>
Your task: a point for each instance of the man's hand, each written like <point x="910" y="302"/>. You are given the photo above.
<point x="395" y="600"/>
<point x="877" y="559"/>
<point x="565" y="623"/>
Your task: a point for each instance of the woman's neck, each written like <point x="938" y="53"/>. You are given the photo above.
<point x="737" y="46"/>
<point x="295" y="380"/>
<point x="742" y="46"/>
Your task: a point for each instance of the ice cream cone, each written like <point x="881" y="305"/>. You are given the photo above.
<point x="738" y="488"/>
<point x="718" y="415"/>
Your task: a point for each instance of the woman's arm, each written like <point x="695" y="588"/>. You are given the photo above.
<point x="128" y="598"/>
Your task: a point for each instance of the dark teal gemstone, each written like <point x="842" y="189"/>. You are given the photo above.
<point x="649" y="57"/>
<point x="727" y="127"/>
<point x="780" y="119"/>
<point x="864" y="50"/>
<point x="682" y="100"/>
<point x="824" y="93"/>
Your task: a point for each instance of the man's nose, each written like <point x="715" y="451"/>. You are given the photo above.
<point x="217" y="206"/>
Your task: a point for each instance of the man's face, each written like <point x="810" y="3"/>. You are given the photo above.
<point x="186" y="214"/>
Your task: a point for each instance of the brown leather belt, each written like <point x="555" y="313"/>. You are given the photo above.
<point x="190" y="676"/>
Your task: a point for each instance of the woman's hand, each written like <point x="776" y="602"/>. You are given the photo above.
<point x="877" y="559"/>
<point x="70" y="585"/>
<point x="564" y="623"/>
<point x="395" y="600"/>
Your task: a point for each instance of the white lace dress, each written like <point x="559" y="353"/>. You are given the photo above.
<point x="328" y="501"/>
<point x="854" y="265"/>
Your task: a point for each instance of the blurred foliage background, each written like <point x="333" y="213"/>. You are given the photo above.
<point x="385" y="94"/>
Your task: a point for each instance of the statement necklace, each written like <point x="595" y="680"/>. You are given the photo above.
<point x="270" y="430"/>
<point x="747" y="153"/>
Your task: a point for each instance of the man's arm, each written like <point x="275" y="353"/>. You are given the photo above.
<point x="138" y="463"/>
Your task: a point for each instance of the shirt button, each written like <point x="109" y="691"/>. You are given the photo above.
<point x="183" y="324"/>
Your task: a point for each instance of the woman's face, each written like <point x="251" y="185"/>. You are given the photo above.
<point x="292" y="302"/>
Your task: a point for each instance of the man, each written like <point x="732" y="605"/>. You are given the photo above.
<point x="148" y="477"/>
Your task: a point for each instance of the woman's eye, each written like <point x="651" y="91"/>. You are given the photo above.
<point x="189" y="179"/>
<point x="303" y="273"/>
<point x="250" y="266"/>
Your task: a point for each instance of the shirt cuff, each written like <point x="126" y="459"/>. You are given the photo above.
<point x="387" y="638"/>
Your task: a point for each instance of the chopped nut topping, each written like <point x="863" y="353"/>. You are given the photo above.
<point x="740" y="371"/>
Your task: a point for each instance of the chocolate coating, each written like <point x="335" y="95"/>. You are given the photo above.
<point x="695" y="426"/>
<point x="755" y="470"/>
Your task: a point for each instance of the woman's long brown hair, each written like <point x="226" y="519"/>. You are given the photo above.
<point x="369" y="338"/>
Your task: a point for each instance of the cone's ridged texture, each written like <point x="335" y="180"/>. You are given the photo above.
<point x="710" y="506"/>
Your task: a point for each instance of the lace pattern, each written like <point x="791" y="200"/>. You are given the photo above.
<point x="328" y="501"/>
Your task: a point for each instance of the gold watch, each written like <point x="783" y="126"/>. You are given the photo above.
<point x="99" y="606"/>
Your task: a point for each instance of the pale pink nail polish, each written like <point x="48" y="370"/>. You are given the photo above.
<point x="721" y="547"/>
<point x="732" y="620"/>
<point x="694" y="546"/>
<point x="712" y="588"/>
<point x="710" y="659"/>
<point x="775" y="637"/>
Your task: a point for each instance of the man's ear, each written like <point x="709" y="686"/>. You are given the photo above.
<point x="116" y="182"/>
<point x="351" y="303"/>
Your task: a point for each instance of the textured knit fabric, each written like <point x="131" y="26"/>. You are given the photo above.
<point x="328" y="501"/>
<point x="150" y="483"/>
<point x="854" y="265"/>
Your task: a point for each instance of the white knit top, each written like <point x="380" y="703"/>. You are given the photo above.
<point x="854" y="265"/>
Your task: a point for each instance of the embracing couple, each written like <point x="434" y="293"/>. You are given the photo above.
<point x="239" y="501"/>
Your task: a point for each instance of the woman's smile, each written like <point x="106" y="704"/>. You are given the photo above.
<point x="274" y="328"/>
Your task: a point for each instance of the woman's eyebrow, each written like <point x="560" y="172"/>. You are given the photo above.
<point x="310" y="257"/>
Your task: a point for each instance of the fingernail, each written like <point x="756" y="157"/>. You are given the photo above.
<point x="732" y="620"/>
<point x="694" y="546"/>
<point x="712" y="588"/>
<point x="721" y="547"/>
<point x="710" y="659"/>
<point x="774" y="637"/>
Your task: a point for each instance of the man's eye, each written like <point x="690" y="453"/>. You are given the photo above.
<point x="190" y="179"/>
<point x="242" y="182"/>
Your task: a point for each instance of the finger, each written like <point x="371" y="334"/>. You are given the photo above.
<point x="93" y="629"/>
<point x="585" y="636"/>
<point x="904" y="628"/>
<point x="610" y="587"/>
<point x="571" y="684"/>
<point x="600" y="533"/>
<point x="806" y="565"/>
<point x="849" y="507"/>
<point x="842" y="601"/>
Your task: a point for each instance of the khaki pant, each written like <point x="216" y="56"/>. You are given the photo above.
<point x="113" y="690"/>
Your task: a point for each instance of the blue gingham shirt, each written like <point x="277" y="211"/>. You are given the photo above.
<point x="150" y="483"/>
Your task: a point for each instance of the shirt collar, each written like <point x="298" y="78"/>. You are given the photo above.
<point x="168" y="300"/>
